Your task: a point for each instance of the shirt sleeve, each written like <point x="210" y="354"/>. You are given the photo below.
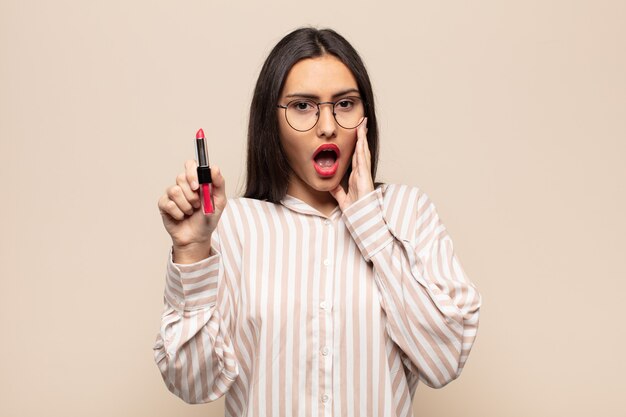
<point x="194" y="350"/>
<point x="431" y="306"/>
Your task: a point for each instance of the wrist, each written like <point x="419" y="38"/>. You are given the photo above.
<point x="191" y="252"/>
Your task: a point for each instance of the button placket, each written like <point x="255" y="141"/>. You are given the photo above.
<point x="325" y="316"/>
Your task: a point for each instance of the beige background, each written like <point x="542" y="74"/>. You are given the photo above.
<point x="510" y="115"/>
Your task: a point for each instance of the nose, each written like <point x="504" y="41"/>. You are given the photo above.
<point x="326" y="124"/>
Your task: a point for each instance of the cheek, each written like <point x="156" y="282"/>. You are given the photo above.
<point x="350" y="150"/>
<point x="293" y="144"/>
<point x="291" y="149"/>
<point x="284" y="137"/>
<point x="282" y="125"/>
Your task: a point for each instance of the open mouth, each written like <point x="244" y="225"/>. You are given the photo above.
<point x="325" y="159"/>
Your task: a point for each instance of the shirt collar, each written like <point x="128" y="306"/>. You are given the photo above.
<point x="295" y="204"/>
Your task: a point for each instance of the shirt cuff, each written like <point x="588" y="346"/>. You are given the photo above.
<point x="364" y="219"/>
<point x="192" y="286"/>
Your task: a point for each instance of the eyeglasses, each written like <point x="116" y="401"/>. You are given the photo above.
<point x="302" y="114"/>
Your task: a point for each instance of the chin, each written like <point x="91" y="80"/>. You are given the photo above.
<point x="324" y="185"/>
<point x="327" y="184"/>
<point x="316" y="183"/>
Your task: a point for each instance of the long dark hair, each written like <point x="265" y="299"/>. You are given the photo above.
<point x="267" y="170"/>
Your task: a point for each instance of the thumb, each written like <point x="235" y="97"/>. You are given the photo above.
<point x="216" y="177"/>
<point x="339" y="194"/>
<point x="219" y="186"/>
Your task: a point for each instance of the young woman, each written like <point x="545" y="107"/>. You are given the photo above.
<point x="320" y="292"/>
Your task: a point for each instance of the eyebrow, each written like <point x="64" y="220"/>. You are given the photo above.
<point x="313" y="96"/>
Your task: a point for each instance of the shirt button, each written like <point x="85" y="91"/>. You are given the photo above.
<point x="327" y="222"/>
<point x="325" y="351"/>
<point x="323" y="305"/>
<point x="325" y="398"/>
<point x="326" y="262"/>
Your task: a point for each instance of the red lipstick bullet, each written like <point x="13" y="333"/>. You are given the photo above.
<point x="204" y="174"/>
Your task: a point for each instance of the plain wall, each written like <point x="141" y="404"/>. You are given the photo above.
<point x="510" y="115"/>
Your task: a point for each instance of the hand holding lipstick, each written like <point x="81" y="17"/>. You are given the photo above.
<point x="183" y="217"/>
<point x="360" y="182"/>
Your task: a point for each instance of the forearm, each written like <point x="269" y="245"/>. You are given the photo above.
<point x="196" y="314"/>
<point x="434" y="328"/>
<point x="432" y="307"/>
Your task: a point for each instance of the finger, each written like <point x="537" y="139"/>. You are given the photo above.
<point x="191" y="170"/>
<point x="367" y="145"/>
<point x="175" y="193"/>
<point x="190" y="195"/>
<point x="355" y="165"/>
<point x="361" y="149"/>
<point x="368" y="154"/>
<point x="169" y="208"/>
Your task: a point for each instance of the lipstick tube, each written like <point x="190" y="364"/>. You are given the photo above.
<point x="204" y="174"/>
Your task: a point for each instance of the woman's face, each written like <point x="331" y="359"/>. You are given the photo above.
<point x="323" y="79"/>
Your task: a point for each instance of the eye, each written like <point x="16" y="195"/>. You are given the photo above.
<point x="302" y="106"/>
<point x="345" y="104"/>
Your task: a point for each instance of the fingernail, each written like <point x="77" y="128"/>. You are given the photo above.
<point x="194" y="185"/>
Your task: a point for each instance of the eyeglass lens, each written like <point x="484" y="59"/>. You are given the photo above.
<point x="302" y="114"/>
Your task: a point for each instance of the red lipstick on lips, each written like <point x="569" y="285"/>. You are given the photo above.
<point x="323" y="159"/>
<point x="204" y="174"/>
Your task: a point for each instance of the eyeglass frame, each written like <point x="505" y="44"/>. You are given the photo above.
<point x="319" y="110"/>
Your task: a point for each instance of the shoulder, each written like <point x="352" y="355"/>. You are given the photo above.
<point x="243" y="210"/>
<point x="240" y="217"/>
<point x="241" y="204"/>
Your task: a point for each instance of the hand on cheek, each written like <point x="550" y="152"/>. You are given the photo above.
<point x="360" y="182"/>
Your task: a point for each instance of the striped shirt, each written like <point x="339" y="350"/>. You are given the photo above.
<point x="300" y="314"/>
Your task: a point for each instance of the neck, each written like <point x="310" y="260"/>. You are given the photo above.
<point x="320" y="200"/>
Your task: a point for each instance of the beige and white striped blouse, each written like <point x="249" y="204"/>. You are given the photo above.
<point x="300" y="314"/>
